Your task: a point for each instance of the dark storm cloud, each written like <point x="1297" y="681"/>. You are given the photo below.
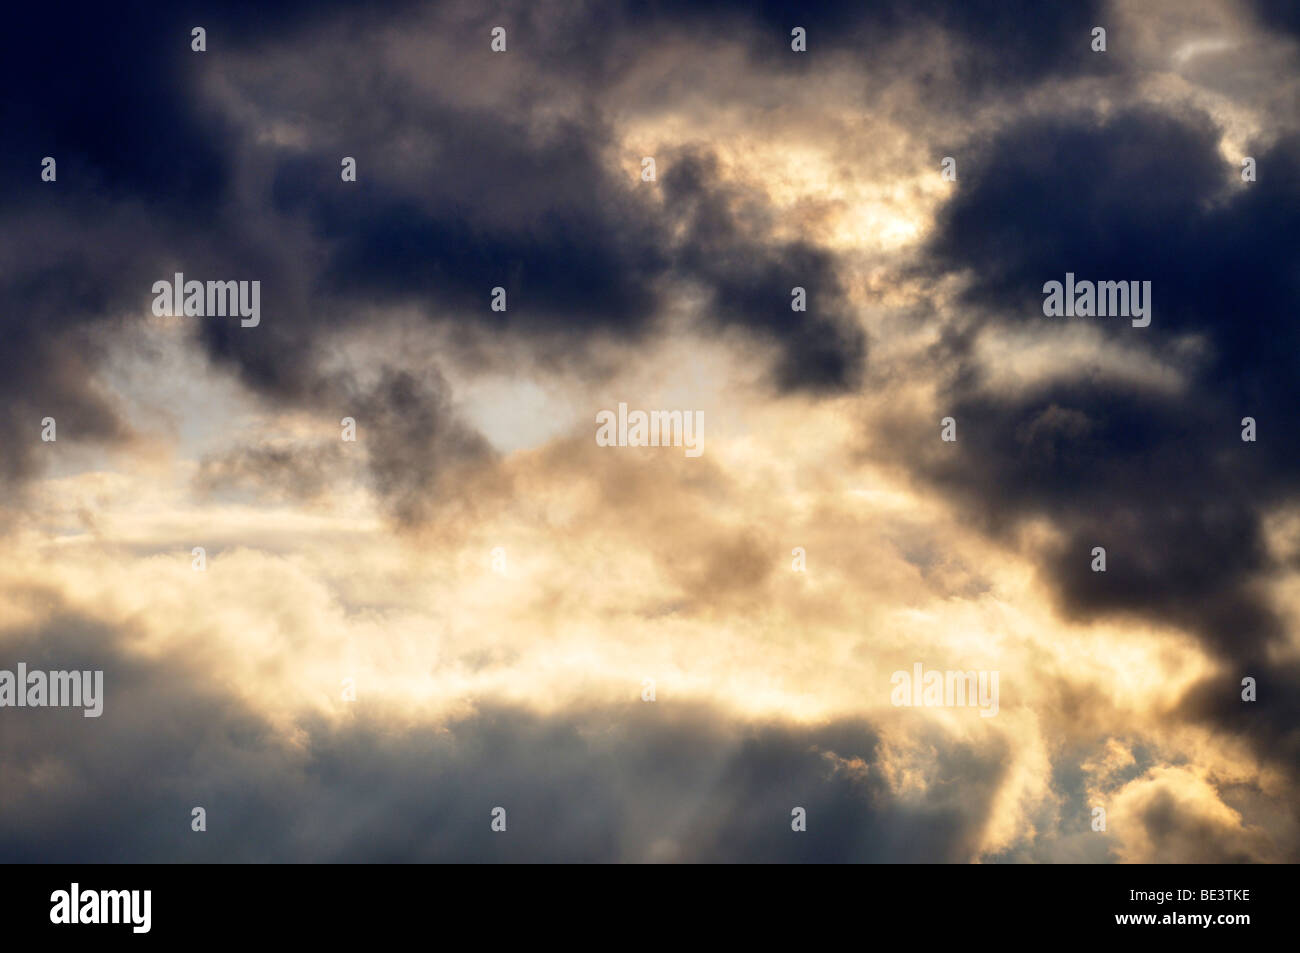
<point x="990" y="45"/>
<point x="144" y="172"/>
<point x="413" y="440"/>
<point x="577" y="246"/>
<point x="151" y="166"/>
<point x="153" y="177"/>
<point x="540" y="215"/>
<point x="1161" y="480"/>
<point x="996" y="44"/>
<point x="1272" y="722"/>
<point x="1170" y="826"/>
<point x="283" y="472"/>
<point x="636" y="782"/>
<point x="751" y="280"/>
<point x="406" y="432"/>
<point x="145" y="187"/>
<point x="1277" y="14"/>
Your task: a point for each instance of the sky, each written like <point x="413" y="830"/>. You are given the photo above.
<point x="436" y="617"/>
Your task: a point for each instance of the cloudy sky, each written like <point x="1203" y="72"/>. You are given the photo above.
<point x="502" y="593"/>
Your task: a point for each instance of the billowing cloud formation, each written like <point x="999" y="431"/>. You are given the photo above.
<point x="506" y="596"/>
<point x="632" y="783"/>
<point x="1162" y="480"/>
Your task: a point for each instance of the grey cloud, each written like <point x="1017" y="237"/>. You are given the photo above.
<point x="639" y="782"/>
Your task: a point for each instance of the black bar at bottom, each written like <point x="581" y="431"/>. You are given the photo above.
<point x="334" y="903"/>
